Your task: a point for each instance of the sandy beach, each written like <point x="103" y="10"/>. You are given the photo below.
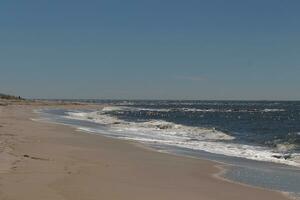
<point x="47" y="161"/>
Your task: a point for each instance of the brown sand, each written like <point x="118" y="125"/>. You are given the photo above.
<point x="42" y="161"/>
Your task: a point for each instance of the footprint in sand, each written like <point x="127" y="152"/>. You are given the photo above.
<point x="35" y="158"/>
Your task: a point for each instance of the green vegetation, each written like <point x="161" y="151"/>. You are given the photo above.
<point x="10" y="97"/>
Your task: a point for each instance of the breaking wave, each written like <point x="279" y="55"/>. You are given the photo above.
<point x="128" y="108"/>
<point x="191" y="137"/>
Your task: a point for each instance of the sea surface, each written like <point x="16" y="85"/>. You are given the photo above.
<point x="259" y="139"/>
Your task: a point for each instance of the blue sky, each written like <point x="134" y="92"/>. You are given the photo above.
<point x="151" y="49"/>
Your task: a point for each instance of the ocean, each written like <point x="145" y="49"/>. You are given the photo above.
<point x="255" y="137"/>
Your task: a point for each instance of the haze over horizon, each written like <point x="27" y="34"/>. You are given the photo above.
<point x="206" y="50"/>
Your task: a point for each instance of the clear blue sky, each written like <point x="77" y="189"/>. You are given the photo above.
<point x="150" y="49"/>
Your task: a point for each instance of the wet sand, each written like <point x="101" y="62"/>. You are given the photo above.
<point x="40" y="160"/>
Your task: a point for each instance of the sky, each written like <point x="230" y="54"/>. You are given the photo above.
<point x="137" y="49"/>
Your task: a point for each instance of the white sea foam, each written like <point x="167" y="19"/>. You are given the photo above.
<point x="113" y="108"/>
<point x="154" y="128"/>
<point x="128" y="108"/>
<point x="273" y="110"/>
<point x="168" y="133"/>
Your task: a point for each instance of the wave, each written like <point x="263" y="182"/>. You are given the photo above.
<point x="157" y="128"/>
<point x="196" y="138"/>
<point x="129" y="108"/>
<point x="273" y="110"/>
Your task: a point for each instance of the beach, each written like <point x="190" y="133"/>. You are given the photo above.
<point x="42" y="160"/>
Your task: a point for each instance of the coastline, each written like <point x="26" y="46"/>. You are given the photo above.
<point x="53" y="161"/>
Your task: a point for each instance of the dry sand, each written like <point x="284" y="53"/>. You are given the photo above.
<point x="43" y="161"/>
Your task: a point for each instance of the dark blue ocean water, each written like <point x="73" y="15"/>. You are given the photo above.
<point x="262" y="123"/>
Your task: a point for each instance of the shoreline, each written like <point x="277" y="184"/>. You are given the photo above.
<point x="80" y="161"/>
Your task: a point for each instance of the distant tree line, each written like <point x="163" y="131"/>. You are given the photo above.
<point x="10" y="97"/>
